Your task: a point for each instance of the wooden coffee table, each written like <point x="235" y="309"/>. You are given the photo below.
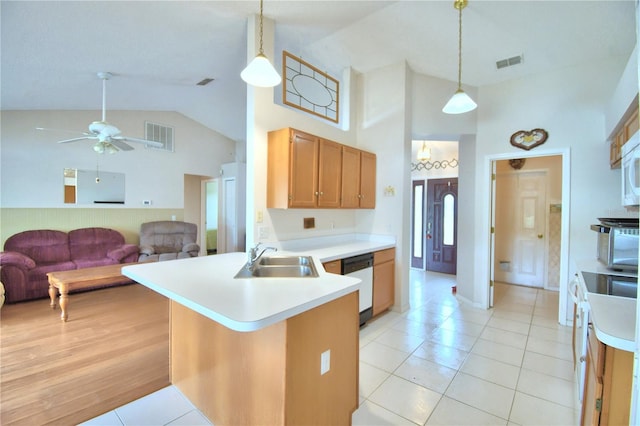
<point x="77" y="279"/>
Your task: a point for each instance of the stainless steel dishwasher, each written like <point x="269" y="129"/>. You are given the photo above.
<point x="361" y="267"/>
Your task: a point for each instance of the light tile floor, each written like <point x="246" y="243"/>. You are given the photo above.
<point x="440" y="363"/>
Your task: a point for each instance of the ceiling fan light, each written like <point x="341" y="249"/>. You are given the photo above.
<point x="459" y="103"/>
<point x="261" y="73"/>
<point x="99" y="148"/>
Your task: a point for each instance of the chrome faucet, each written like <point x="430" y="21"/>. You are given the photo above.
<point x="253" y="256"/>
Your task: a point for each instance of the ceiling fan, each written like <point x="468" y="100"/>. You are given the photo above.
<point x="109" y="138"/>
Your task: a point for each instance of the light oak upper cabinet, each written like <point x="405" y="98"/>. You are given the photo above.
<point x="350" y="178"/>
<point x="627" y="129"/>
<point x="329" y="174"/>
<point x="305" y="171"/>
<point x="358" y="179"/>
<point x="367" y="180"/>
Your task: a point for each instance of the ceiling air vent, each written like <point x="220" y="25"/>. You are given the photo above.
<point x="159" y="133"/>
<point x="514" y="60"/>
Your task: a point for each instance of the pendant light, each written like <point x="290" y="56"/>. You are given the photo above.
<point x="460" y="102"/>
<point x="424" y="154"/>
<point x="260" y="72"/>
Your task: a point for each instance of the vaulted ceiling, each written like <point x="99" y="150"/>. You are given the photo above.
<point x="159" y="50"/>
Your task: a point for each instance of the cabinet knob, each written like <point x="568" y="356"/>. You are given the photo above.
<point x="540" y="236"/>
<point x="316" y="193"/>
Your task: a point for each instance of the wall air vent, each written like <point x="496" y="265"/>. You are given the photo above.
<point x="514" y="60"/>
<point x="159" y="133"/>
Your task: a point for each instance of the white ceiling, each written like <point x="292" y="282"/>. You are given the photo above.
<point x="159" y="50"/>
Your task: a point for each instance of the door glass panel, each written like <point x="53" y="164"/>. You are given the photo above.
<point x="448" y="219"/>
<point x="418" y="206"/>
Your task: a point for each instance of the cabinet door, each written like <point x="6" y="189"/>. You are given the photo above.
<point x="367" y="180"/>
<point x="350" y="178"/>
<point x="303" y="178"/>
<point x="383" y="288"/>
<point x="329" y="174"/>
<point x="384" y="266"/>
<point x="592" y="401"/>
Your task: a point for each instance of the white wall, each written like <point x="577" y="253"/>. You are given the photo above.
<point x="263" y="115"/>
<point x="570" y="105"/>
<point x="384" y="111"/>
<point x="32" y="162"/>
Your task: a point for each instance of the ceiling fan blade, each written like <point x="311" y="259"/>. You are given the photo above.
<point x="144" y="141"/>
<point x="76" y="139"/>
<point x="51" y="129"/>
<point x="118" y="143"/>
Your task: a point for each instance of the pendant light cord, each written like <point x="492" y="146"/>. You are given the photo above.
<point x="460" y="7"/>
<point x="261" y="51"/>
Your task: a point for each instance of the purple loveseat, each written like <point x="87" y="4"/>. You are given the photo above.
<point x="29" y="255"/>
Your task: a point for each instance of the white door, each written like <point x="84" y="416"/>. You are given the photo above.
<point x="492" y="251"/>
<point x="228" y="232"/>
<point x="520" y="230"/>
<point x="209" y="217"/>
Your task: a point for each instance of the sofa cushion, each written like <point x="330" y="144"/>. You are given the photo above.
<point x="43" y="246"/>
<point x="93" y="243"/>
<point x="41" y="270"/>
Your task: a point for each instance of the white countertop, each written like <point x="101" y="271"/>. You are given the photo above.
<point x="327" y="249"/>
<point x="206" y="285"/>
<point x="613" y="317"/>
<point x="614" y="320"/>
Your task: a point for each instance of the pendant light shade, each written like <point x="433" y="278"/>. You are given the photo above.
<point x="260" y="72"/>
<point x="460" y="102"/>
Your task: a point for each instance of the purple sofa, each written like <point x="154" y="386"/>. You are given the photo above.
<point x="28" y="256"/>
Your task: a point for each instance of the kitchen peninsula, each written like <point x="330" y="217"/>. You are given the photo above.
<point x="259" y="350"/>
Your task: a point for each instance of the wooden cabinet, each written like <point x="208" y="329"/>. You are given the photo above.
<point x="329" y="174"/>
<point x="358" y="179"/>
<point x="367" y="180"/>
<point x="383" y="280"/>
<point x="607" y="387"/>
<point x="269" y="376"/>
<point x="626" y="129"/>
<point x="333" y="267"/>
<point x="306" y="171"/>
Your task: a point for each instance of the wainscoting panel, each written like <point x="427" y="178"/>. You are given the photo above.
<point x="126" y="221"/>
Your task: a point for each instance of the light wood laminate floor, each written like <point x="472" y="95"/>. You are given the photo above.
<point x="113" y="350"/>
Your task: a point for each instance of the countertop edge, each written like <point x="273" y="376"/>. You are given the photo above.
<point x="351" y="285"/>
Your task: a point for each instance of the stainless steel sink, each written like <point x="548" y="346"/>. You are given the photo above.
<point x="286" y="260"/>
<point x="280" y="267"/>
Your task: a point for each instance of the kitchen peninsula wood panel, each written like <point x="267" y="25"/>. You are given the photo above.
<point x="306" y="171"/>
<point x="271" y="375"/>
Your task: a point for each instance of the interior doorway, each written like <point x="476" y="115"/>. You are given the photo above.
<point x="211" y="190"/>
<point x="528" y="224"/>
